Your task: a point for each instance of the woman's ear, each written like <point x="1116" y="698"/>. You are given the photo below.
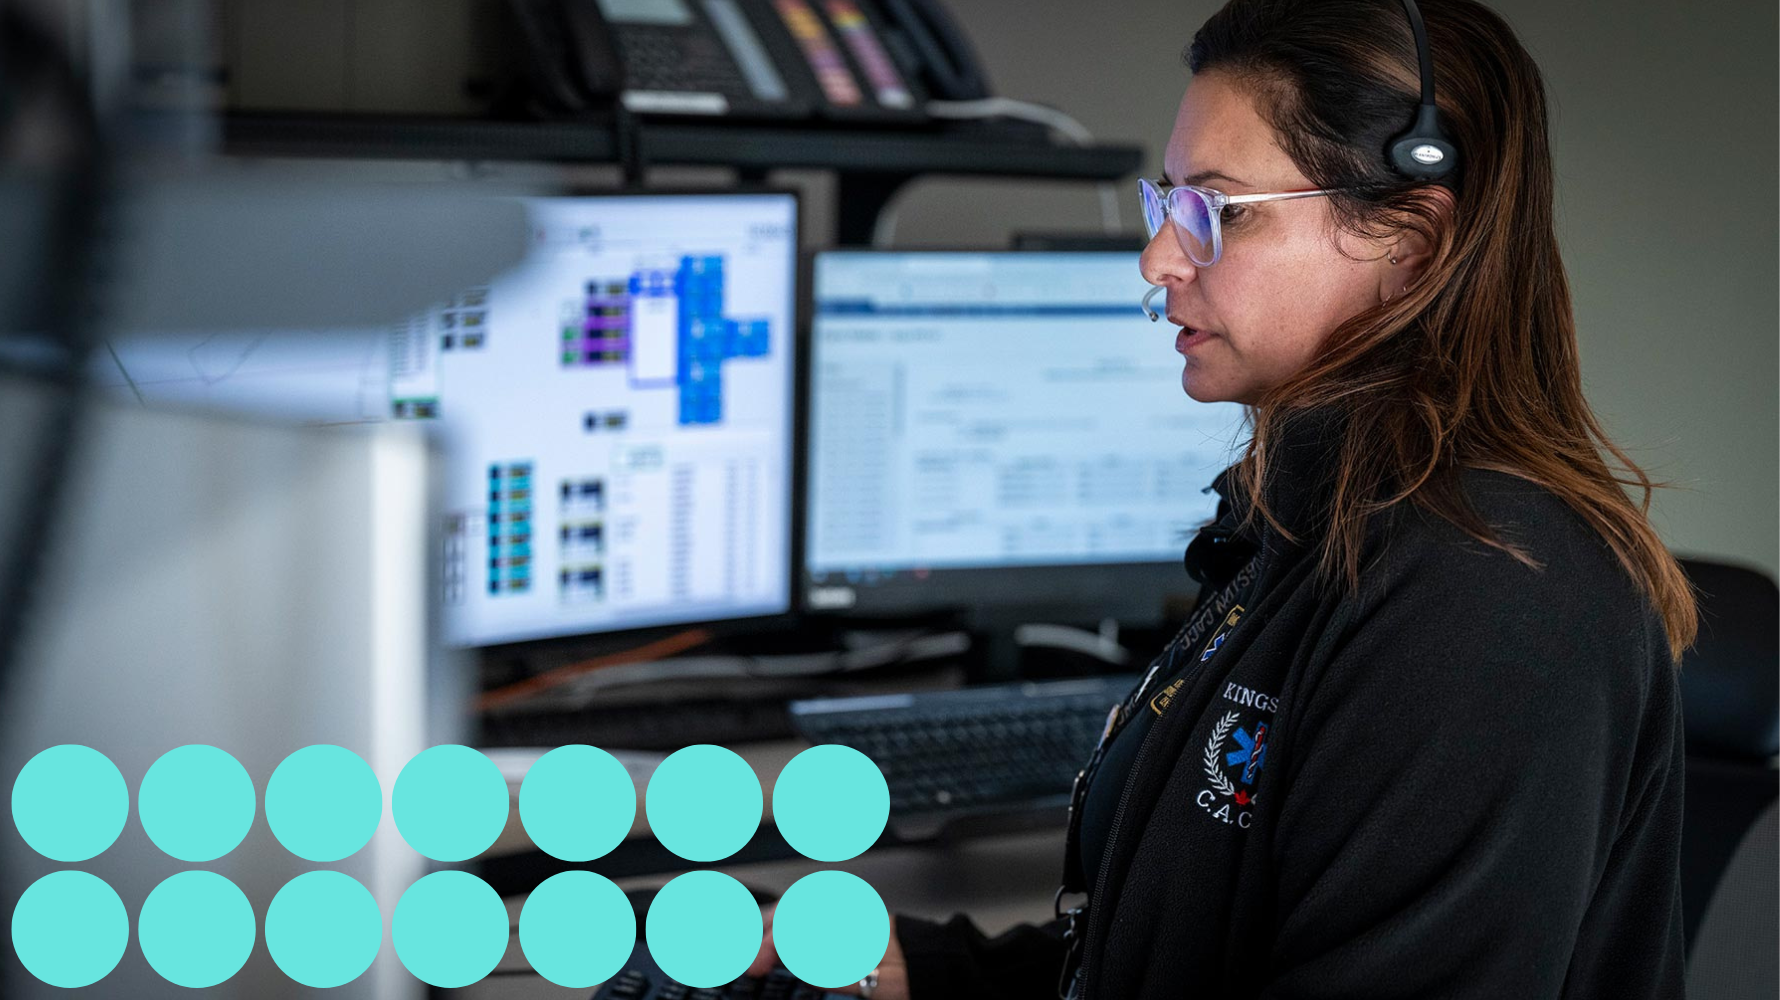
<point x="1412" y="251"/>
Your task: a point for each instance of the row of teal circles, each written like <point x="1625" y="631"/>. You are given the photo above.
<point x="450" y="803"/>
<point x="323" y="929"/>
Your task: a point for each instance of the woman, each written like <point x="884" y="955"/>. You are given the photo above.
<point x="1423" y="736"/>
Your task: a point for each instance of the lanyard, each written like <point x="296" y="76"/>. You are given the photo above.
<point x="1166" y="665"/>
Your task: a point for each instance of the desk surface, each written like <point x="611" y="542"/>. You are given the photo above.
<point x="767" y="758"/>
<point x="998" y="880"/>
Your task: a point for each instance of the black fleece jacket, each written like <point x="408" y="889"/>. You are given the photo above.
<point x="1471" y="782"/>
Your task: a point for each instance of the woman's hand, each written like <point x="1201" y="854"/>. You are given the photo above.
<point x="893" y="974"/>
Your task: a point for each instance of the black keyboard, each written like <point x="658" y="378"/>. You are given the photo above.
<point x="951" y="757"/>
<point x="642" y="979"/>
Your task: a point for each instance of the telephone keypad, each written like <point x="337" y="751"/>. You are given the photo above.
<point x="669" y="60"/>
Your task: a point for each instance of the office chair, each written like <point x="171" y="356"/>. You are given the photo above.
<point x="1730" y="683"/>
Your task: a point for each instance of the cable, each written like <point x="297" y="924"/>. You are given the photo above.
<point x="1071" y="130"/>
<point x="1102" y="645"/>
<point x="1008" y="107"/>
<point x="125" y="372"/>
<point x="677" y="643"/>
<point x="636" y="669"/>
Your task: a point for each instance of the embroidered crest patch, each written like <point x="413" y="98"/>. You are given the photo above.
<point x="1231" y="771"/>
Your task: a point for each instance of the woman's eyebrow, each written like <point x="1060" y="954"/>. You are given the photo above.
<point x="1206" y="175"/>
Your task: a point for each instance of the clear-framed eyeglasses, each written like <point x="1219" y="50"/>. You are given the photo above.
<point x="1197" y="213"/>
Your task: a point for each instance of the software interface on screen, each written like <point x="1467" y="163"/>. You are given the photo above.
<point x="999" y="410"/>
<point x="617" y="412"/>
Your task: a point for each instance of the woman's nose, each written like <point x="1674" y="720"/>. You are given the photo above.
<point x="1164" y="261"/>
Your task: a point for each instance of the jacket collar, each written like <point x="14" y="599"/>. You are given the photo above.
<point x="1301" y="478"/>
<point x="1298" y="490"/>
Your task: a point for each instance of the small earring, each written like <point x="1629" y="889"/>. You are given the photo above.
<point x="1393" y="258"/>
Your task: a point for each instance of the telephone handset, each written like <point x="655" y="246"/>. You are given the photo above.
<point x="570" y="61"/>
<point x="853" y="60"/>
<point x="945" y="56"/>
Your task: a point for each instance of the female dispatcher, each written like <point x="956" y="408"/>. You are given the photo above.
<point x="1421" y="736"/>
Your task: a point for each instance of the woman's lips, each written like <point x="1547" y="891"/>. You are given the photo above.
<point x="1189" y="338"/>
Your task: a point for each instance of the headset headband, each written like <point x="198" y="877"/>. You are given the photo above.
<point x="1424" y="152"/>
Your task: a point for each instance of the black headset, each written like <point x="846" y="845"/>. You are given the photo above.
<point x="1424" y="152"/>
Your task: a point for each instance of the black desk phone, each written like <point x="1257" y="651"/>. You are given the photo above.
<point x="847" y="60"/>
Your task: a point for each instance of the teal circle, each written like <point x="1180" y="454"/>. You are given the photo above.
<point x="449" y="929"/>
<point x="577" y="929"/>
<point x="703" y="928"/>
<point x="577" y="803"/>
<point x="196" y="803"/>
<point x="830" y="929"/>
<point x="450" y="802"/>
<point x="196" y="929"/>
<point x="831" y="802"/>
<point x="703" y="802"/>
<point x="324" y="929"/>
<point x="323" y="803"/>
<point x="70" y="802"/>
<point x="69" y="929"/>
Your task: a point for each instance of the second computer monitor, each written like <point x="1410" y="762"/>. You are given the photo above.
<point x="1001" y="429"/>
<point x="616" y="411"/>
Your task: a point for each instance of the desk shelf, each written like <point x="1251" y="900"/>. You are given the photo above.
<point x="871" y="163"/>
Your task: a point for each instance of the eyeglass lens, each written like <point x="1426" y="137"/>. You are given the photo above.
<point x="1192" y="218"/>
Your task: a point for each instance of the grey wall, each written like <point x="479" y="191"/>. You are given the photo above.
<point x="1665" y="141"/>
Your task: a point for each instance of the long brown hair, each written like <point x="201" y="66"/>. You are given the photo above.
<point x="1476" y="366"/>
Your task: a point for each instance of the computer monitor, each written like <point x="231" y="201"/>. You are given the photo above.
<point x="1001" y="430"/>
<point x="616" y="411"/>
